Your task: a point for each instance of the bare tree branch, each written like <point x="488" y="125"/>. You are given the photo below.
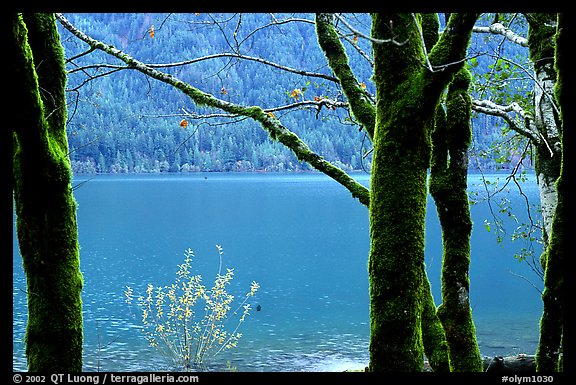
<point x="528" y="129"/>
<point x="310" y="103"/>
<point x="250" y="58"/>
<point x="275" y="23"/>
<point x="90" y="77"/>
<point x="363" y="35"/>
<point x="358" y="49"/>
<point x="211" y="57"/>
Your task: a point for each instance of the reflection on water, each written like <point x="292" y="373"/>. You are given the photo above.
<point x="301" y="237"/>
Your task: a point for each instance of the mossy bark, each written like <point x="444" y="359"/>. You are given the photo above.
<point x="407" y="94"/>
<point x="44" y="203"/>
<point x="448" y="186"/>
<point x="550" y="348"/>
<point x="433" y="335"/>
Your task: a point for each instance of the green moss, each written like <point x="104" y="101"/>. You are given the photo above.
<point x="560" y="57"/>
<point x="397" y="210"/>
<point x="430" y="26"/>
<point x="433" y="335"/>
<point x="41" y="37"/>
<point x="451" y="47"/>
<point x="45" y="207"/>
<point x="541" y="33"/>
<point x="448" y="176"/>
<point x="458" y="128"/>
<point x="401" y="62"/>
<point x="397" y="207"/>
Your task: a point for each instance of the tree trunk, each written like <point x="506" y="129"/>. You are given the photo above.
<point x="407" y="94"/>
<point x="448" y="186"/>
<point x="548" y="151"/>
<point x="433" y="335"/>
<point x="550" y="348"/>
<point x="45" y="207"/>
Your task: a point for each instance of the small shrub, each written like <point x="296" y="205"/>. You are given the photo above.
<point x="185" y="321"/>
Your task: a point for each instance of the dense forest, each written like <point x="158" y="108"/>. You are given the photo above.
<point x="124" y="122"/>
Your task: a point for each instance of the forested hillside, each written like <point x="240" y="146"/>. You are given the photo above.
<point x="124" y="122"/>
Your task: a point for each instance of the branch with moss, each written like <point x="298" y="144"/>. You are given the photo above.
<point x="359" y="100"/>
<point x="452" y="46"/>
<point x="304" y="104"/>
<point x="272" y="125"/>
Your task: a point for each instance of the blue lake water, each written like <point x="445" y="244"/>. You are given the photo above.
<point x="302" y="237"/>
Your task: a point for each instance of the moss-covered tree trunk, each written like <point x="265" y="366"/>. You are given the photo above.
<point x="448" y="186"/>
<point x="433" y="337"/>
<point x="45" y="207"/>
<point x="550" y="348"/>
<point x="407" y="93"/>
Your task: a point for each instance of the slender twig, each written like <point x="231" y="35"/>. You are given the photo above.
<point x="275" y="23"/>
<point x="526" y="279"/>
<point x="363" y="35"/>
<point x="358" y="49"/>
<point x="217" y="56"/>
<point x="84" y="145"/>
<point x="77" y="186"/>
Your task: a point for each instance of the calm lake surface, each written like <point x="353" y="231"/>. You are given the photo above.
<point x="302" y="237"/>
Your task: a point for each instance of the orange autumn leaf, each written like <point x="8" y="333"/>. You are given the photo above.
<point x="270" y="114"/>
<point x="151" y="31"/>
<point x="363" y="85"/>
<point x="296" y="93"/>
<point x="183" y="123"/>
<point x="317" y="98"/>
